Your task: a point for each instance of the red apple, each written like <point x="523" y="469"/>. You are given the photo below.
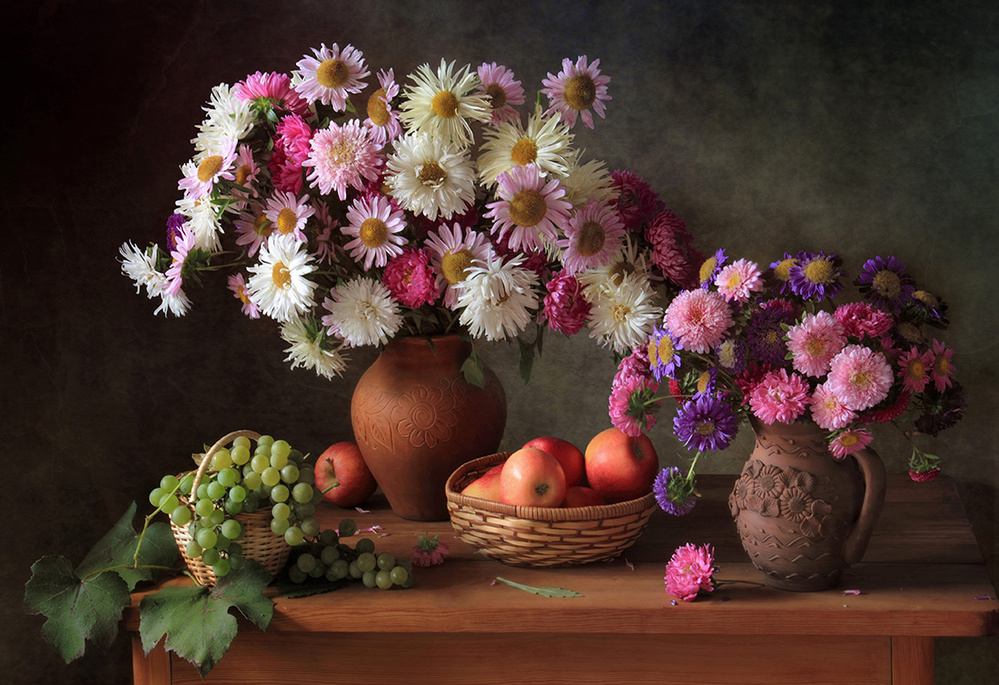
<point x="568" y="455"/>
<point x="532" y="478"/>
<point x="582" y="496"/>
<point x="486" y="486"/>
<point x="619" y="466"/>
<point x="343" y="476"/>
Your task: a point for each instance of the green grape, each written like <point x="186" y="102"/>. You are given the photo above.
<point x="302" y="493"/>
<point x="241" y="441"/>
<point x="293" y="536"/>
<point x="281" y="511"/>
<point x="306" y="510"/>
<point x="222" y="544"/>
<point x="306" y="475"/>
<point x="181" y="515"/>
<point x="228" y="477"/>
<point x="399" y="575"/>
<point x="231" y="529"/>
<point x="279" y="526"/>
<point x="354" y="571"/>
<point x="221" y="567"/>
<point x="297" y="575"/>
<point x="310" y="527"/>
<point x="252" y="481"/>
<point x="279" y="461"/>
<point x="338" y="570"/>
<point x="186" y="482"/>
<point x="329" y="555"/>
<point x="155" y="495"/>
<point x="216" y="517"/>
<point x="317" y="495"/>
<point x="365" y="545"/>
<point x="386" y="562"/>
<point x="202" y="490"/>
<point x="237" y="493"/>
<point x="204" y="507"/>
<point x="265" y="441"/>
<point x="289" y="473"/>
<point x="234" y="508"/>
<point x="297" y="457"/>
<point x="369" y="578"/>
<point x="270" y="476"/>
<point x="406" y="564"/>
<point x="347" y="528"/>
<point x="222" y="460"/>
<point x="279" y="493"/>
<point x="193" y="549"/>
<point x="210" y="556"/>
<point x="260" y="462"/>
<point x="216" y="490"/>
<point x="318" y="571"/>
<point x="328" y="537"/>
<point x="169" y="502"/>
<point x="240" y="454"/>
<point x="207" y="538"/>
<point x="383" y="579"/>
<point x="366" y="562"/>
<point x="251" y="504"/>
<point x="281" y="448"/>
<point x="169" y="483"/>
<point x="306" y="562"/>
<point x="235" y="552"/>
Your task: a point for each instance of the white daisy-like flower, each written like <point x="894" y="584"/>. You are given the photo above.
<point x="452" y="252"/>
<point x="331" y="75"/>
<point x="594" y="235"/>
<point x="288" y="213"/>
<point x="545" y="141"/>
<point x="279" y="284"/>
<point x="630" y="259"/>
<point x="140" y="266"/>
<point x="443" y="103"/>
<point x="376" y="226"/>
<point x="362" y="312"/>
<point x="496" y="298"/>
<point x="177" y="303"/>
<point x="310" y="348"/>
<point x="585" y="182"/>
<point x="208" y="168"/>
<point x="623" y="314"/>
<point x="227" y="116"/>
<point x="429" y="177"/>
<point x="203" y="218"/>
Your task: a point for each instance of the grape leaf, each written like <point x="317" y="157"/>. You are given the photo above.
<point x="77" y="610"/>
<point x="474" y="371"/>
<point x="195" y="619"/>
<point x="543" y="591"/>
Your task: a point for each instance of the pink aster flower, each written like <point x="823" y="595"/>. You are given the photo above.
<point x="578" y="89"/>
<point x="530" y="208"/>
<point x="375" y="223"/>
<point x="382" y="120"/>
<point x="331" y="75"/>
<point x="814" y="342"/>
<point x="565" y="308"/>
<point x="779" y="397"/>
<point x="410" y="278"/>
<point x="671" y="252"/>
<point x="429" y="551"/>
<point x="342" y="156"/>
<point x="849" y="442"/>
<point x="200" y="179"/>
<point x="592" y="238"/>
<point x="690" y="572"/>
<point x="943" y="367"/>
<point x="629" y="404"/>
<point x="828" y="412"/>
<point x="237" y="284"/>
<point x="699" y="319"/>
<point x="288" y="213"/>
<point x="861" y="320"/>
<point x="914" y="369"/>
<point x="503" y="90"/>
<point x="326" y="246"/>
<point x="738" y="280"/>
<point x="185" y="242"/>
<point x="860" y="377"/>
<point x="274" y="86"/>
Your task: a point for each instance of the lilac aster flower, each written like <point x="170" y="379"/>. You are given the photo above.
<point x="816" y="275"/>
<point x="710" y="268"/>
<point x="885" y="283"/>
<point x="705" y="424"/>
<point x="782" y="271"/>
<point x="173" y="225"/>
<point x="664" y="357"/>
<point x="674" y="492"/>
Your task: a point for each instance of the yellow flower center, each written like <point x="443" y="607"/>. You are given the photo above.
<point x="909" y="332"/>
<point x="209" y="167"/>
<point x="653" y="353"/>
<point x="591" y="239"/>
<point x="702" y="382"/>
<point x="734" y="280"/>
<point x="286" y="220"/>
<point x="378" y="108"/>
<point x="580" y="92"/>
<point x="262" y="226"/>
<point x="243" y="174"/>
<point x="432" y="174"/>
<point x="926" y="298"/>
<point x="819" y="271"/>
<point x="332" y="73"/>
<point x="783" y="270"/>
<point x="621" y="312"/>
<point x="373" y="233"/>
<point x="705" y="427"/>
<point x="524" y="152"/>
<point x="342" y="153"/>
<point x="815" y="347"/>
<point x="916" y="369"/>
<point x="528" y="208"/>
<point x="455" y="265"/>
<point x="888" y="284"/>
<point x="665" y="349"/>
<point x="244" y="298"/>
<point x="281" y="275"/>
<point x="707" y="268"/>
<point x="942" y="366"/>
<point x="860" y="379"/>
<point x="848" y="439"/>
<point x="496" y="94"/>
<point x="445" y="104"/>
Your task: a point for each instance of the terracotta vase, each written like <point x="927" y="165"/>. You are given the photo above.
<point x="416" y="419"/>
<point x="803" y="516"/>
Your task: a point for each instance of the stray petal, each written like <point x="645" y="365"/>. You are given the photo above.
<point x="363" y="511"/>
<point x="851" y="592"/>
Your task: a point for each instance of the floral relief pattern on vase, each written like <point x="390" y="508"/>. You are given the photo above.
<point x="429" y="415"/>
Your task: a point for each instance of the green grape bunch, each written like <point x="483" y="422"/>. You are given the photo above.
<point x="329" y="559"/>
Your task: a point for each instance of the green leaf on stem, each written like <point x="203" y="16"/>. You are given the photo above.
<point x="474" y="371"/>
<point x="543" y="591"/>
<point x="116" y="551"/>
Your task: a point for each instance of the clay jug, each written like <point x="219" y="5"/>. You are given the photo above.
<point x="416" y="419"/>
<point x="803" y="516"/>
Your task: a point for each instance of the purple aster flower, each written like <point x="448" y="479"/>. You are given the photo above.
<point x="816" y="275"/>
<point x="710" y="268"/>
<point x="731" y="355"/>
<point x="674" y="492"/>
<point x="885" y="283"/>
<point x="765" y="335"/>
<point x="941" y="410"/>
<point x="664" y="357"/>
<point x="705" y="424"/>
<point x="173" y="225"/>
<point x="782" y="271"/>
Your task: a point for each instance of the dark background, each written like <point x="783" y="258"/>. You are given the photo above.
<point x="860" y="128"/>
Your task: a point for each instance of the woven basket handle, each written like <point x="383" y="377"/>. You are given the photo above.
<point x="219" y="444"/>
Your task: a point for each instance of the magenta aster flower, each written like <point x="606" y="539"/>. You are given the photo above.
<point x="674" y="492"/>
<point x="631" y="404"/>
<point x="291" y="150"/>
<point x="861" y="320"/>
<point x="634" y="199"/>
<point x="663" y="353"/>
<point x="592" y="237"/>
<point x="497" y="83"/>
<point x="914" y="369"/>
<point x="410" y="279"/>
<point x="690" y="572"/>
<point x="429" y="551"/>
<point x="273" y="86"/>
<point x="885" y="283"/>
<point x="578" y="89"/>
<point x="530" y="208"/>
<point x="331" y="75"/>
<point x="342" y="156"/>
<point x="738" y="280"/>
<point x="705" y="424"/>
<point x="565" y="308"/>
<point x="828" y="412"/>
<point x="779" y="397"/>
<point x="814" y="342"/>
<point x="667" y="233"/>
<point x="237" y="284"/>
<point x="815" y="275"/>
<point x="699" y="319"/>
<point x="860" y="377"/>
<point x="943" y="367"/>
<point x="849" y="442"/>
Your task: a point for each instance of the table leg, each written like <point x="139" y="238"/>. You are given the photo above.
<point x="912" y="660"/>
<point x="150" y="669"/>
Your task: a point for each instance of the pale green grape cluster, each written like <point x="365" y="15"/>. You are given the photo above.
<point x="329" y="559"/>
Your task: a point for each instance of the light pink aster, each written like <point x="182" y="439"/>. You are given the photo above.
<point x="699" y="319"/>
<point x="326" y="246"/>
<point x="382" y="120"/>
<point x="410" y="279"/>
<point x="861" y="320"/>
<point x="375" y="223"/>
<point x="503" y="90"/>
<point x="185" y="242"/>
<point x="331" y="75"/>
<point x="452" y="251"/>
<point x="738" y="280"/>
<point x="274" y="86"/>
<point x="827" y="410"/>
<point x="915" y="368"/>
<point x="565" y="308"/>
<point x="860" y="377"/>
<point x="780" y="397"/>
<point x="237" y="284"/>
<point x="578" y="89"/>
<point x="850" y="442"/>
<point x="200" y="179"/>
<point x="594" y="235"/>
<point x="288" y="213"/>
<point x="342" y="156"/>
<point x="530" y="208"/>
<point x="943" y="367"/>
<point x="814" y="342"/>
<point x="690" y="571"/>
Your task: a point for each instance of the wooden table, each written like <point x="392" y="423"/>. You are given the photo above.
<point x="923" y="576"/>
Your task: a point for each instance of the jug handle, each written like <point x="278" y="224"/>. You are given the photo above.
<point x="874" y="496"/>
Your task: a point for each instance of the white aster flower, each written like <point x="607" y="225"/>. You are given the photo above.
<point x="496" y="298"/>
<point x="204" y="220"/>
<point x="279" y="284"/>
<point x="545" y="141"/>
<point x="310" y="348"/>
<point x="227" y="115"/>
<point x="176" y="303"/>
<point x="630" y="259"/>
<point x="429" y="177"/>
<point x="585" y="182"/>
<point x="140" y="266"/>
<point x="443" y="103"/>
<point x="362" y="312"/>
<point x="452" y="252"/>
<point x="623" y="312"/>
